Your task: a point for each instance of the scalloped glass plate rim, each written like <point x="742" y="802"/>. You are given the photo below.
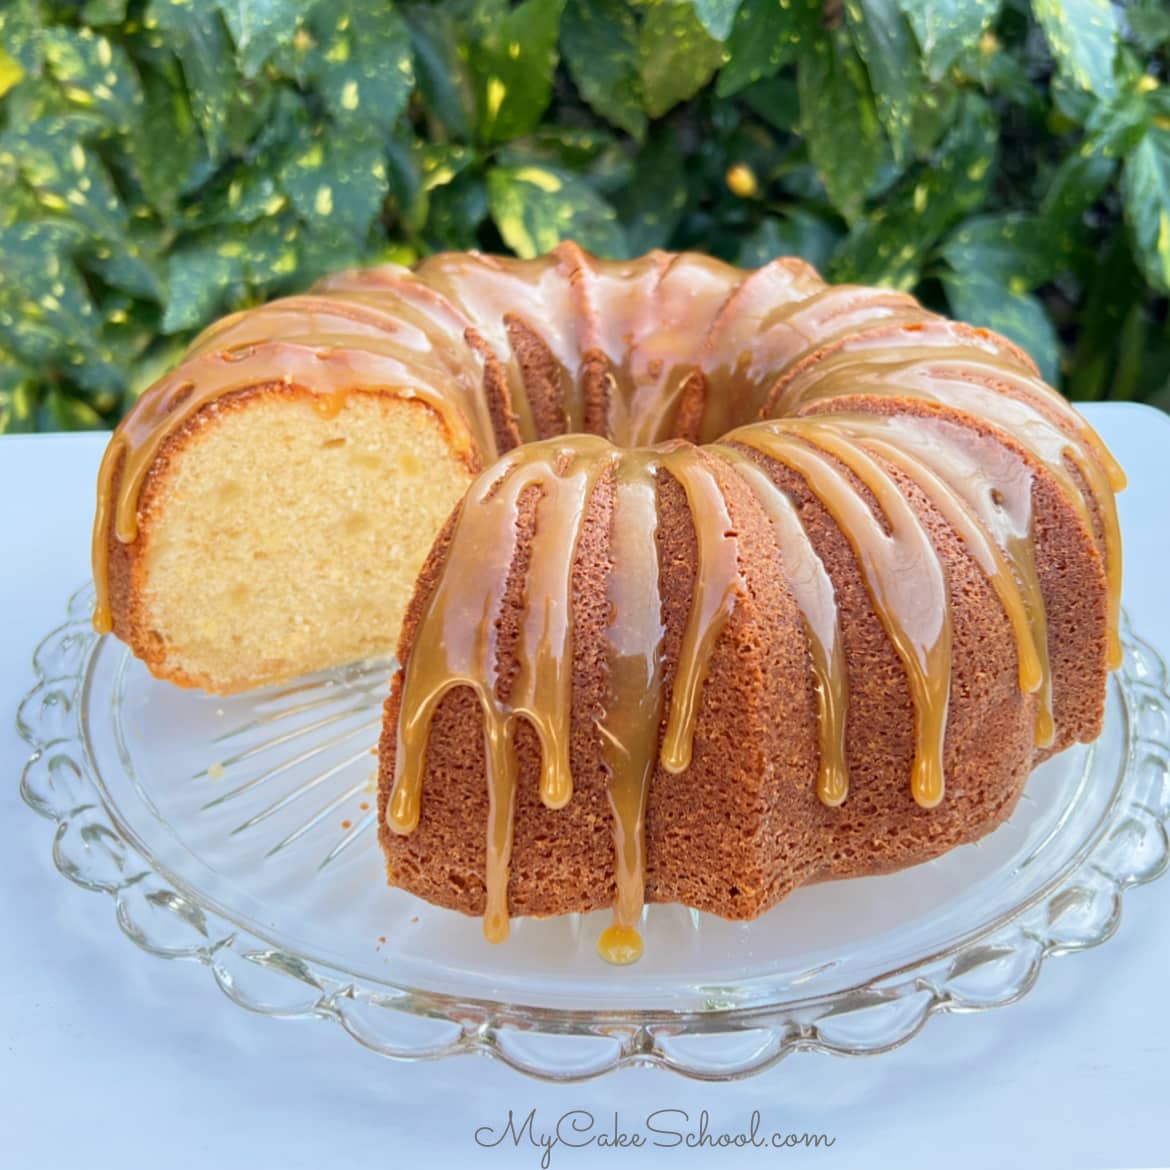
<point x="743" y="1006"/>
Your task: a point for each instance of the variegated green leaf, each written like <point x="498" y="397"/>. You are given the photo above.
<point x="22" y="35"/>
<point x="48" y="319"/>
<point x="1149" y="21"/>
<point x="1018" y="249"/>
<point x="63" y="413"/>
<point x="795" y="234"/>
<point x="131" y="261"/>
<point x="18" y="395"/>
<point x="892" y="244"/>
<point x="101" y="12"/>
<point x="203" y="277"/>
<point x="766" y="35"/>
<point x="652" y="202"/>
<point x="678" y="56"/>
<point x="885" y="43"/>
<point x="94" y="74"/>
<point x="258" y="28"/>
<point x="194" y="32"/>
<point x="1076" y="185"/>
<point x="980" y="299"/>
<point x="1082" y="35"/>
<point x="67" y="177"/>
<point x="360" y="59"/>
<point x="338" y="181"/>
<point x="457" y="211"/>
<point x="946" y="29"/>
<point x="839" y="123"/>
<point x="599" y="39"/>
<point x="1145" y="185"/>
<point x="164" y="147"/>
<point x="716" y="16"/>
<point x="513" y="60"/>
<point x="416" y="169"/>
<point x="535" y="208"/>
<point x="441" y="70"/>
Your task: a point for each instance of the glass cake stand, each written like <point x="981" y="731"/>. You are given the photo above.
<point x="239" y="833"/>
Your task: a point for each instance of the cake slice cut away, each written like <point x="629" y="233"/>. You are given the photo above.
<point x="277" y="533"/>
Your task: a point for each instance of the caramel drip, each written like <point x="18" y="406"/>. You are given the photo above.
<point x="1031" y="673"/>
<point x="901" y="571"/>
<point x="619" y="945"/>
<point x="617" y="309"/>
<point x="767" y="326"/>
<point x="399" y="292"/>
<point x="998" y="505"/>
<point x="834" y="309"/>
<point x="376" y="324"/>
<point x="742" y="349"/>
<point x="646" y="351"/>
<point x="632" y="717"/>
<point x="661" y="322"/>
<point x="816" y="599"/>
<point x="456" y="643"/>
<point x="489" y="290"/>
<point x="297" y="317"/>
<point x="458" y="636"/>
<point x="903" y="329"/>
<point x="951" y="377"/>
<point x="1098" y="482"/>
<point x="945" y="351"/>
<point x="717" y="579"/>
<point x="655" y="314"/>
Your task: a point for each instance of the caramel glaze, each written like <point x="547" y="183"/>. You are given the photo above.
<point x="575" y="371"/>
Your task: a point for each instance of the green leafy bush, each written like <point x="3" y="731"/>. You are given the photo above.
<point x="162" y="162"/>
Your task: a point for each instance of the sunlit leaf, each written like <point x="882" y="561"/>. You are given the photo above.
<point x="514" y="59"/>
<point x="678" y="56"/>
<point x="1082" y="35"/>
<point x="716" y="16"/>
<point x="1145" y="185"/>
<point x="948" y="28"/>
<point x="535" y="208"/>
<point x="361" y="61"/>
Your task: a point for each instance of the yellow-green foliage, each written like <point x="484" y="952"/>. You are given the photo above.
<point x="164" y="161"/>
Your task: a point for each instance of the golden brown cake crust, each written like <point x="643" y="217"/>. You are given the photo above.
<point x="839" y="395"/>
<point x="743" y="825"/>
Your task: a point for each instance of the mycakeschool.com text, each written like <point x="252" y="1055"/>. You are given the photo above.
<point x="661" y="1129"/>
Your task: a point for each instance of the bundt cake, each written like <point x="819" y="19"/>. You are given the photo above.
<point x="744" y="569"/>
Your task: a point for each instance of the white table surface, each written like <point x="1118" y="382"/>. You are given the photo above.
<point x="110" y="1057"/>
